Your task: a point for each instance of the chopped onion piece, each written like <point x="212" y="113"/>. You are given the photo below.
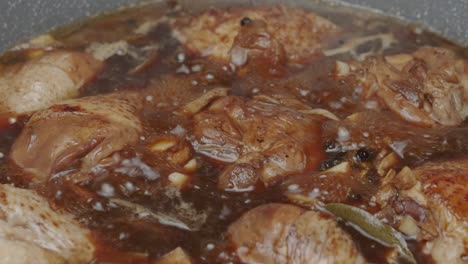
<point x="198" y="104"/>
<point x="321" y="112"/>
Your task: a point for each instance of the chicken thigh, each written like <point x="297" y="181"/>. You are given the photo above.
<point x="427" y="87"/>
<point x="47" y="80"/>
<point x="84" y="130"/>
<point x="213" y="33"/>
<point x="434" y="197"/>
<point x="32" y="232"/>
<point x="260" y="139"/>
<point x="280" y="233"/>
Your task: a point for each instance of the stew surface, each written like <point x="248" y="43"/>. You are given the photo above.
<point x="242" y="134"/>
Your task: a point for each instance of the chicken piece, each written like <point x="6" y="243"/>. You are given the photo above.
<point x="261" y="234"/>
<point x="32" y="232"/>
<point x="257" y="49"/>
<point x="434" y="195"/>
<point x="84" y="130"/>
<point x="20" y="252"/>
<point x="426" y="87"/>
<point x="47" y="80"/>
<point x="443" y="193"/>
<point x="280" y="233"/>
<point x="212" y="33"/>
<point x="260" y="139"/>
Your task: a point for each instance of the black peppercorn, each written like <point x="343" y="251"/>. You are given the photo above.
<point x="363" y="155"/>
<point x="246" y="21"/>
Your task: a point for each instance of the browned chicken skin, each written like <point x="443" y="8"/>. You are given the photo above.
<point x="212" y="33"/>
<point x="443" y="193"/>
<point x="32" y="232"/>
<point x="261" y="140"/>
<point x="258" y="50"/>
<point x="47" y="80"/>
<point x="427" y="87"/>
<point x="434" y="196"/>
<point x="280" y="233"/>
<point x="90" y="128"/>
